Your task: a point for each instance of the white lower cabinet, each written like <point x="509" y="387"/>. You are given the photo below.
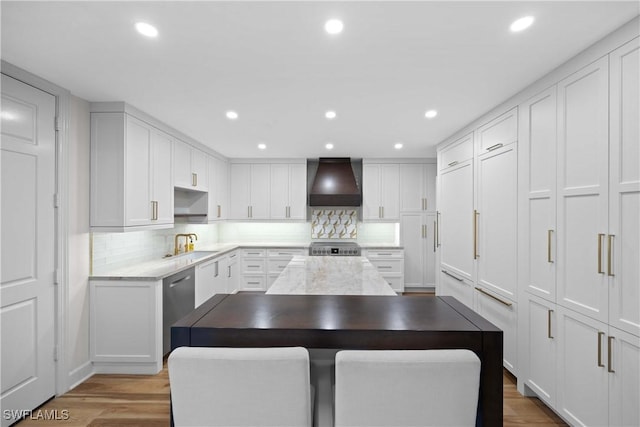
<point x="504" y="314"/>
<point x="260" y="267"/>
<point x="451" y="284"/>
<point x="211" y="279"/>
<point x="624" y="382"/>
<point x="390" y="265"/>
<point x="233" y="276"/>
<point x="417" y="235"/>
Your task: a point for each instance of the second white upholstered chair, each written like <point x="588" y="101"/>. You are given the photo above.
<point x="406" y="388"/>
<point x="240" y="386"/>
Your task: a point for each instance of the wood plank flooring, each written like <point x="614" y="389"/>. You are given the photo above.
<point x="143" y="400"/>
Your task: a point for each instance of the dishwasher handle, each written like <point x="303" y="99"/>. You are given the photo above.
<point x="177" y="282"/>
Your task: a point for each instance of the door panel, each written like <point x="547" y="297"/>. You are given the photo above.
<point x="541" y="354"/>
<point x="28" y="246"/>
<point x="413" y="239"/>
<point x="624" y="382"/>
<point x="162" y="176"/>
<point x="138" y="173"/>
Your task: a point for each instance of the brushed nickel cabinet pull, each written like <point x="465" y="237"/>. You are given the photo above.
<point x="495" y="147"/>
<point x="549" y="234"/>
<point x="154" y="210"/>
<point x="382" y="211"/>
<point x="610" y="354"/>
<point x="434" y="236"/>
<point x="194" y="179"/>
<point x="476" y="214"/>
<point x="451" y="275"/>
<point x="216" y="273"/>
<point x="549" y="324"/>
<point x="508" y="304"/>
<point x="600" y="335"/>
<point x="219" y="211"/>
<point x="600" y="237"/>
<point x="609" y="255"/>
<point x="455" y="162"/>
<point x="438" y="229"/>
<point x="229" y="271"/>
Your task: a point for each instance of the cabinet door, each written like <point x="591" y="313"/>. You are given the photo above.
<point x="297" y="191"/>
<point x="279" y="191"/>
<point x="582" y="369"/>
<point x="220" y="278"/>
<point x="260" y="191"/>
<point x="624" y="382"/>
<point x="542" y="347"/>
<point x="537" y="180"/>
<point x="460" y="289"/>
<point x="501" y="131"/>
<point x="456" y="220"/>
<point x="213" y="213"/>
<point x="390" y="189"/>
<point x="412" y="187"/>
<point x="430" y="251"/>
<point x="199" y="170"/>
<point x="162" y="177"/>
<point x="430" y="187"/>
<point x="583" y="181"/>
<point x="413" y="238"/>
<point x="205" y="281"/>
<point x="504" y="314"/>
<point x="239" y="197"/>
<point x="233" y="276"/>
<point x="137" y="172"/>
<point x="222" y="189"/>
<point x="371" y="201"/>
<point x="182" y="165"/>
<point x="497" y="220"/>
<point x="624" y="188"/>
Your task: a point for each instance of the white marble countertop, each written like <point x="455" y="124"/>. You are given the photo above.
<point x="327" y="275"/>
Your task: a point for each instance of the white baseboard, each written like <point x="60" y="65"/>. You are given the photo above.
<point x="80" y="375"/>
<point x="132" y="368"/>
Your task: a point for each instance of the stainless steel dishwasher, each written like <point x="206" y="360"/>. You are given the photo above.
<point x="178" y="300"/>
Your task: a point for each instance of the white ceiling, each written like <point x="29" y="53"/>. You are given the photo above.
<point x="273" y="63"/>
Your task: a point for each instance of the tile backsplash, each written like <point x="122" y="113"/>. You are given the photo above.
<point x="334" y="224"/>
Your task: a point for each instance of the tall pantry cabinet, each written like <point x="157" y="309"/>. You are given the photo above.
<point x="578" y="255"/>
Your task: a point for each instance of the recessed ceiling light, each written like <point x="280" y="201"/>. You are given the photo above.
<point x="146" y="29"/>
<point x="329" y="146"/>
<point x="398" y="145"/>
<point x="333" y="26"/>
<point x="232" y="115"/>
<point x="431" y="114"/>
<point x="330" y="115"/>
<point x="522" y="24"/>
<point x="262" y="146"/>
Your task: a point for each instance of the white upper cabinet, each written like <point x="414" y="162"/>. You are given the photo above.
<point x="583" y="183"/>
<point x="131" y="168"/>
<point x="380" y="192"/>
<point x="499" y="132"/>
<point x="288" y="191"/>
<point x="623" y="240"/>
<point x="417" y="187"/>
<point x="537" y="194"/>
<point x="456" y="152"/>
<point x="250" y="191"/>
<point x="190" y="171"/>
<point x="218" y="199"/>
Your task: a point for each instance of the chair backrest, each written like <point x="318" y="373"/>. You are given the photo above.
<point x="240" y="386"/>
<point x="406" y="388"/>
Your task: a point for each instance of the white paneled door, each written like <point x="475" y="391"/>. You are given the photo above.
<point x="28" y="247"/>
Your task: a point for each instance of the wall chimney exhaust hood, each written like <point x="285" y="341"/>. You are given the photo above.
<point x="335" y="184"/>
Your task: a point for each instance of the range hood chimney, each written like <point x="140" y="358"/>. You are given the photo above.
<point x="335" y="184"/>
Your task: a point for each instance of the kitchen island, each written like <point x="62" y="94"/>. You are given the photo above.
<point x="328" y="275"/>
<point x="325" y="324"/>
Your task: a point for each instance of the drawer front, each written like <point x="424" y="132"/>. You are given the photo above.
<point x="277" y="265"/>
<point x="285" y="253"/>
<point x="253" y="283"/>
<point x="388" y="265"/>
<point x="456" y="287"/>
<point x="384" y="253"/>
<point x="499" y="132"/>
<point x="253" y="265"/>
<point x="396" y="282"/>
<point x="254" y="253"/>
<point x="457" y="152"/>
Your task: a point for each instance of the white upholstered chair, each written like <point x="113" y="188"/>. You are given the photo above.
<point x="406" y="388"/>
<point x="240" y="386"/>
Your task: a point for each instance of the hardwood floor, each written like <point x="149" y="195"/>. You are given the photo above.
<point x="143" y="400"/>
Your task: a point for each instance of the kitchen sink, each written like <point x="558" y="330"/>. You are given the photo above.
<point x="195" y="255"/>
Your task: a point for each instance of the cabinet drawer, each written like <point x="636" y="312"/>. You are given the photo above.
<point x="457" y="152"/>
<point x="253" y="283"/>
<point x="381" y="253"/>
<point x="253" y="265"/>
<point x="396" y="282"/>
<point x="254" y="253"/>
<point x="504" y="314"/>
<point x="277" y="265"/>
<point x="500" y="131"/>
<point x="452" y="284"/>
<point x="388" y="265"/>
<point x="285" y="253"/>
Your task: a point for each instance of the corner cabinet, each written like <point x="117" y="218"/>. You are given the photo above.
<point x="380" y="192"/>
<point x="131" y="174"/>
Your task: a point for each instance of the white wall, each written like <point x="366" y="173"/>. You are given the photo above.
<point x="77" y="345"/>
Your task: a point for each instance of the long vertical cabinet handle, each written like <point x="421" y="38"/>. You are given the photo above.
<point x="217" y="267"/>
<point x="476" y="214"/>
<point x="434" y="236"/>
<point x="248" y="212"/>
<point x="610" y="354"/>
<point x="600" y="237"/>
<point x="154" y="210"/>
<point x="549" y="236"/>
<point x="609" y="255"/>
<point x="194" y="180"/>
<point x="424" y="231"/>
<point x="600" y="335"/>
<point x="229" y="271"/>
<point x="438" y="229"/>
<point x="549" y="312"/>
<point x="219" y="211"/>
